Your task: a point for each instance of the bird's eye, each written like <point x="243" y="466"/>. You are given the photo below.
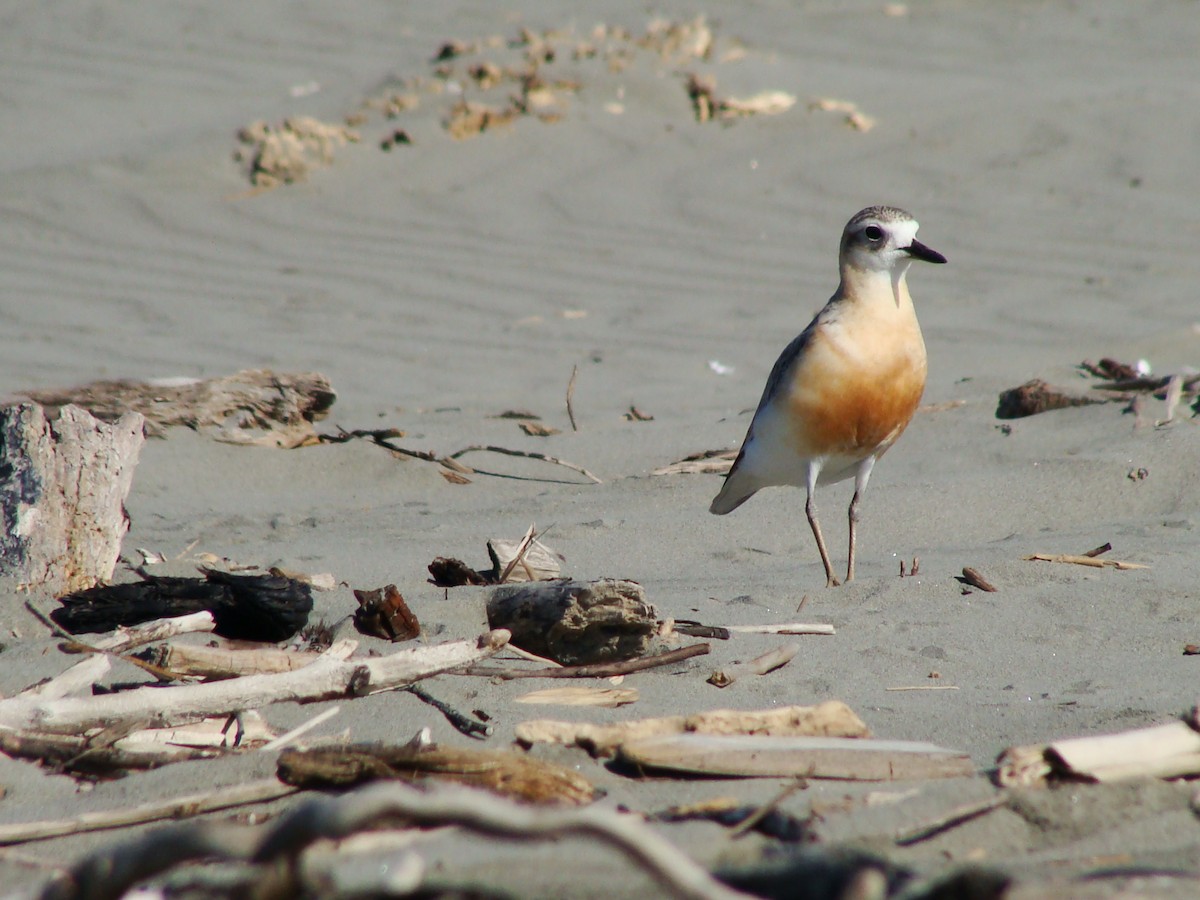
<point x="874" y="233"/>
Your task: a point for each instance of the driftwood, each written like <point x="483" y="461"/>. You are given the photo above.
<point x="148" y="632"/>
<point x="707" y="462"/>
<point x="277" y="848"/>
<point x="596" y="670"/>
<point x="1037" y="396"/>
<point x="80" y="677"/>
<point x="525" y="560"/>
<point x="179" y="807"/>
<point x="113" y="751"/>
<point x="975" y="579"/>
<point x="1161" y="751"/>
<point x="244" y="607"/>
<point x="755" y="756"/>
<point x="760" y="665"/>
<point x="215" y="663"/>
<point x="384" y="613"/>
<point x="741" y="818"/>
<point x="504" y="772"/>
<point x="831" y="719"/>
<point x="64" y="477"/>
<point x="326" y="679"/>
<point x="255" y="406"/>
<point x="1091" y="561"/>
<point x="576" y="622"/>
<point x="582" y="696"/>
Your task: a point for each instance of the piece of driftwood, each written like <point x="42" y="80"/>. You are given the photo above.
<point x="1161" y="751"/>
<point x="596" y="670"/>
<point x="756" y="756"/>
<point x="527" y="559"/>
<point x="64" y="477"/>
<point x="148" y="632"/>
<point x="446" y="571"/>
<point x="471" y="727"/>
<point x="741" y="818"/>
<point x="384" y="613"/>
<point x="244" y="607"/>
<point x="1093" y="562"/>
<point x="760" y="665"/>
<point x="706" y="462"/>
<point x="504" y="772"/>
<point x="77" y="679"/>
<point x="582" y="696"/>
<point x="274" y="857"/>
<point x="112" y="752"/>
<point x="176" y="808"/>
<point x="1037" y="396"/>
<point x="785" y="628"/>
<point x="829" y="719"/>
<point x="692" y="628"/>
<point x="328" y="678"/>
<point x="214" y="663"/>
<point x="975" y="579"/>
<point x="256" y="406"/>
<point x="576" y="622"/>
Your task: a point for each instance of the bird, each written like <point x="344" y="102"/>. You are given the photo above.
<point x="843" y="391"/>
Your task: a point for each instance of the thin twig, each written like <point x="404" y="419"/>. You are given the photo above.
<point x="571" y="398"/>
<point x="956" y="816"/>
<point x="289" y="737"/>
<point x="528" y="454"/>
<point x="924" y="687"/>
<point x="1098" y="551"/>
<point x="744" y="826"/>
<point x="596" y="670"/>
<point x="462" y="722"/>
<point x="532" y="657"/>
<point x="1083" y="561"/>
<point x="522" y="549"/>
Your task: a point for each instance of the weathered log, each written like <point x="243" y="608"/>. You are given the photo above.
<point x="829" y="719"/>
<point x="256" y="406"/>
<point x="757" y="756"/>
<point x="503" y="772"/>
<point x="63" y="483"/>
<point x="576" y="622"/>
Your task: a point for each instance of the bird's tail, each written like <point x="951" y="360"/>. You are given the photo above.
<point x="736" y="490"/>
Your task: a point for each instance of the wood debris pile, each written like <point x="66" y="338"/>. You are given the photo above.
<point x="491" y="84"/>
<point x="1113" y="382"/>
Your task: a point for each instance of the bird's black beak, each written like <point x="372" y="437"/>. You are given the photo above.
<point x="919" y="251"/>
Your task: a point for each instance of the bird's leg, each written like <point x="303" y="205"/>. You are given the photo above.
<point x="853" y="521"/>
<point x="860" y="486"/>
<point x="810" y="509"/>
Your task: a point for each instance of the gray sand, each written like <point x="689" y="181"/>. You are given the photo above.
<point x="1048" y="150"/>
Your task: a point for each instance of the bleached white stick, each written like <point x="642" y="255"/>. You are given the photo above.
<point x="326" y="679"/>
<point x="158" y="630"/>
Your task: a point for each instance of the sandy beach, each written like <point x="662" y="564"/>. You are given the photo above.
<point x="1047" y="149"/>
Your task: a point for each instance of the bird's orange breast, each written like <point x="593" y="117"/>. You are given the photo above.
<point x="854" y="404"/>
